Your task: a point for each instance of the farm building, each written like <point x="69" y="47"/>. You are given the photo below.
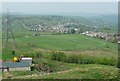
<point x="27" y="59"/>
<point x="16" y="66"/>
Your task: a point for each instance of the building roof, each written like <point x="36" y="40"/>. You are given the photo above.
<point x="16" y="64"/>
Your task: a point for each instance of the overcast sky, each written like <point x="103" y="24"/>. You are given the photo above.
<point x="61" y="7"/>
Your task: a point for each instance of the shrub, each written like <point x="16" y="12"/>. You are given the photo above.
<point x="87" y="60"/>
<point x="80" y="59"/>
<point x="118" y="63"/>
<point x="73" y="59"/>
<point x="106" y="61"/>
<point x="59" y="56"/>
<point x="83" y="59"/>
<point x="39" y="55"/>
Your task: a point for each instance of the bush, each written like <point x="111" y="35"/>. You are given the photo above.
<point x="38" y="55"/>
<point x="87" y="60"/>
<point x="80" y="59"/>
<point x="106" y="61"/>
<point x="83" y="59"/>
<point x="73" y="59"/>
<point x="118" y="63"/>
<point x="59" y="56"/>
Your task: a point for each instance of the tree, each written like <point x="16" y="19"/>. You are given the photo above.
<point x="73" y="31"/>
<point x="13" y="53"/>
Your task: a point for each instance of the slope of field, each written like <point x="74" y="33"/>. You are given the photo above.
<point x="68" y="71"/>
<point x="88" y="72"/>
<point x="65" y="42"/>
<point x="69" y="43"/>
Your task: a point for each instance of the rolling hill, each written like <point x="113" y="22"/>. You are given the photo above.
<point x="100" y="54"/>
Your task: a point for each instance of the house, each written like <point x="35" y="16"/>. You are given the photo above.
<point x="90" y="33"/>
<point x="118" y="42"/>
<point x="16" y="66"/>
<point x="118" y="38"/>
<point x="27" y="59"/>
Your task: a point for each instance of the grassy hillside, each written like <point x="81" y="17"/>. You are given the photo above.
<point x="68" y="71"/>
<point x="69" y="44"/>
<point x="65" y="42"/>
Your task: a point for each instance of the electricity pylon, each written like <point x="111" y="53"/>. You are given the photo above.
<point x="9" y="32"/>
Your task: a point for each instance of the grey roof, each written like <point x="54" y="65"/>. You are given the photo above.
<point x="16" y="64"/>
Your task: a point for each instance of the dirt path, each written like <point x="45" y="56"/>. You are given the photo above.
<point x="42" y="74"/>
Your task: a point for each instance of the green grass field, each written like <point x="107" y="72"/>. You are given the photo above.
<point x="65" y="42"/>
<point x="75" y="42"/>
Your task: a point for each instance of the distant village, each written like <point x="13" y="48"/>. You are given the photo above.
<point x="62" y="29"/>
<point x="72" y="28"/>
<point x="113" y="37"/>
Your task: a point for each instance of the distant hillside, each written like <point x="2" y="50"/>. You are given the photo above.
<point x="111" y="19"/>
<point x="61" y="23"/>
